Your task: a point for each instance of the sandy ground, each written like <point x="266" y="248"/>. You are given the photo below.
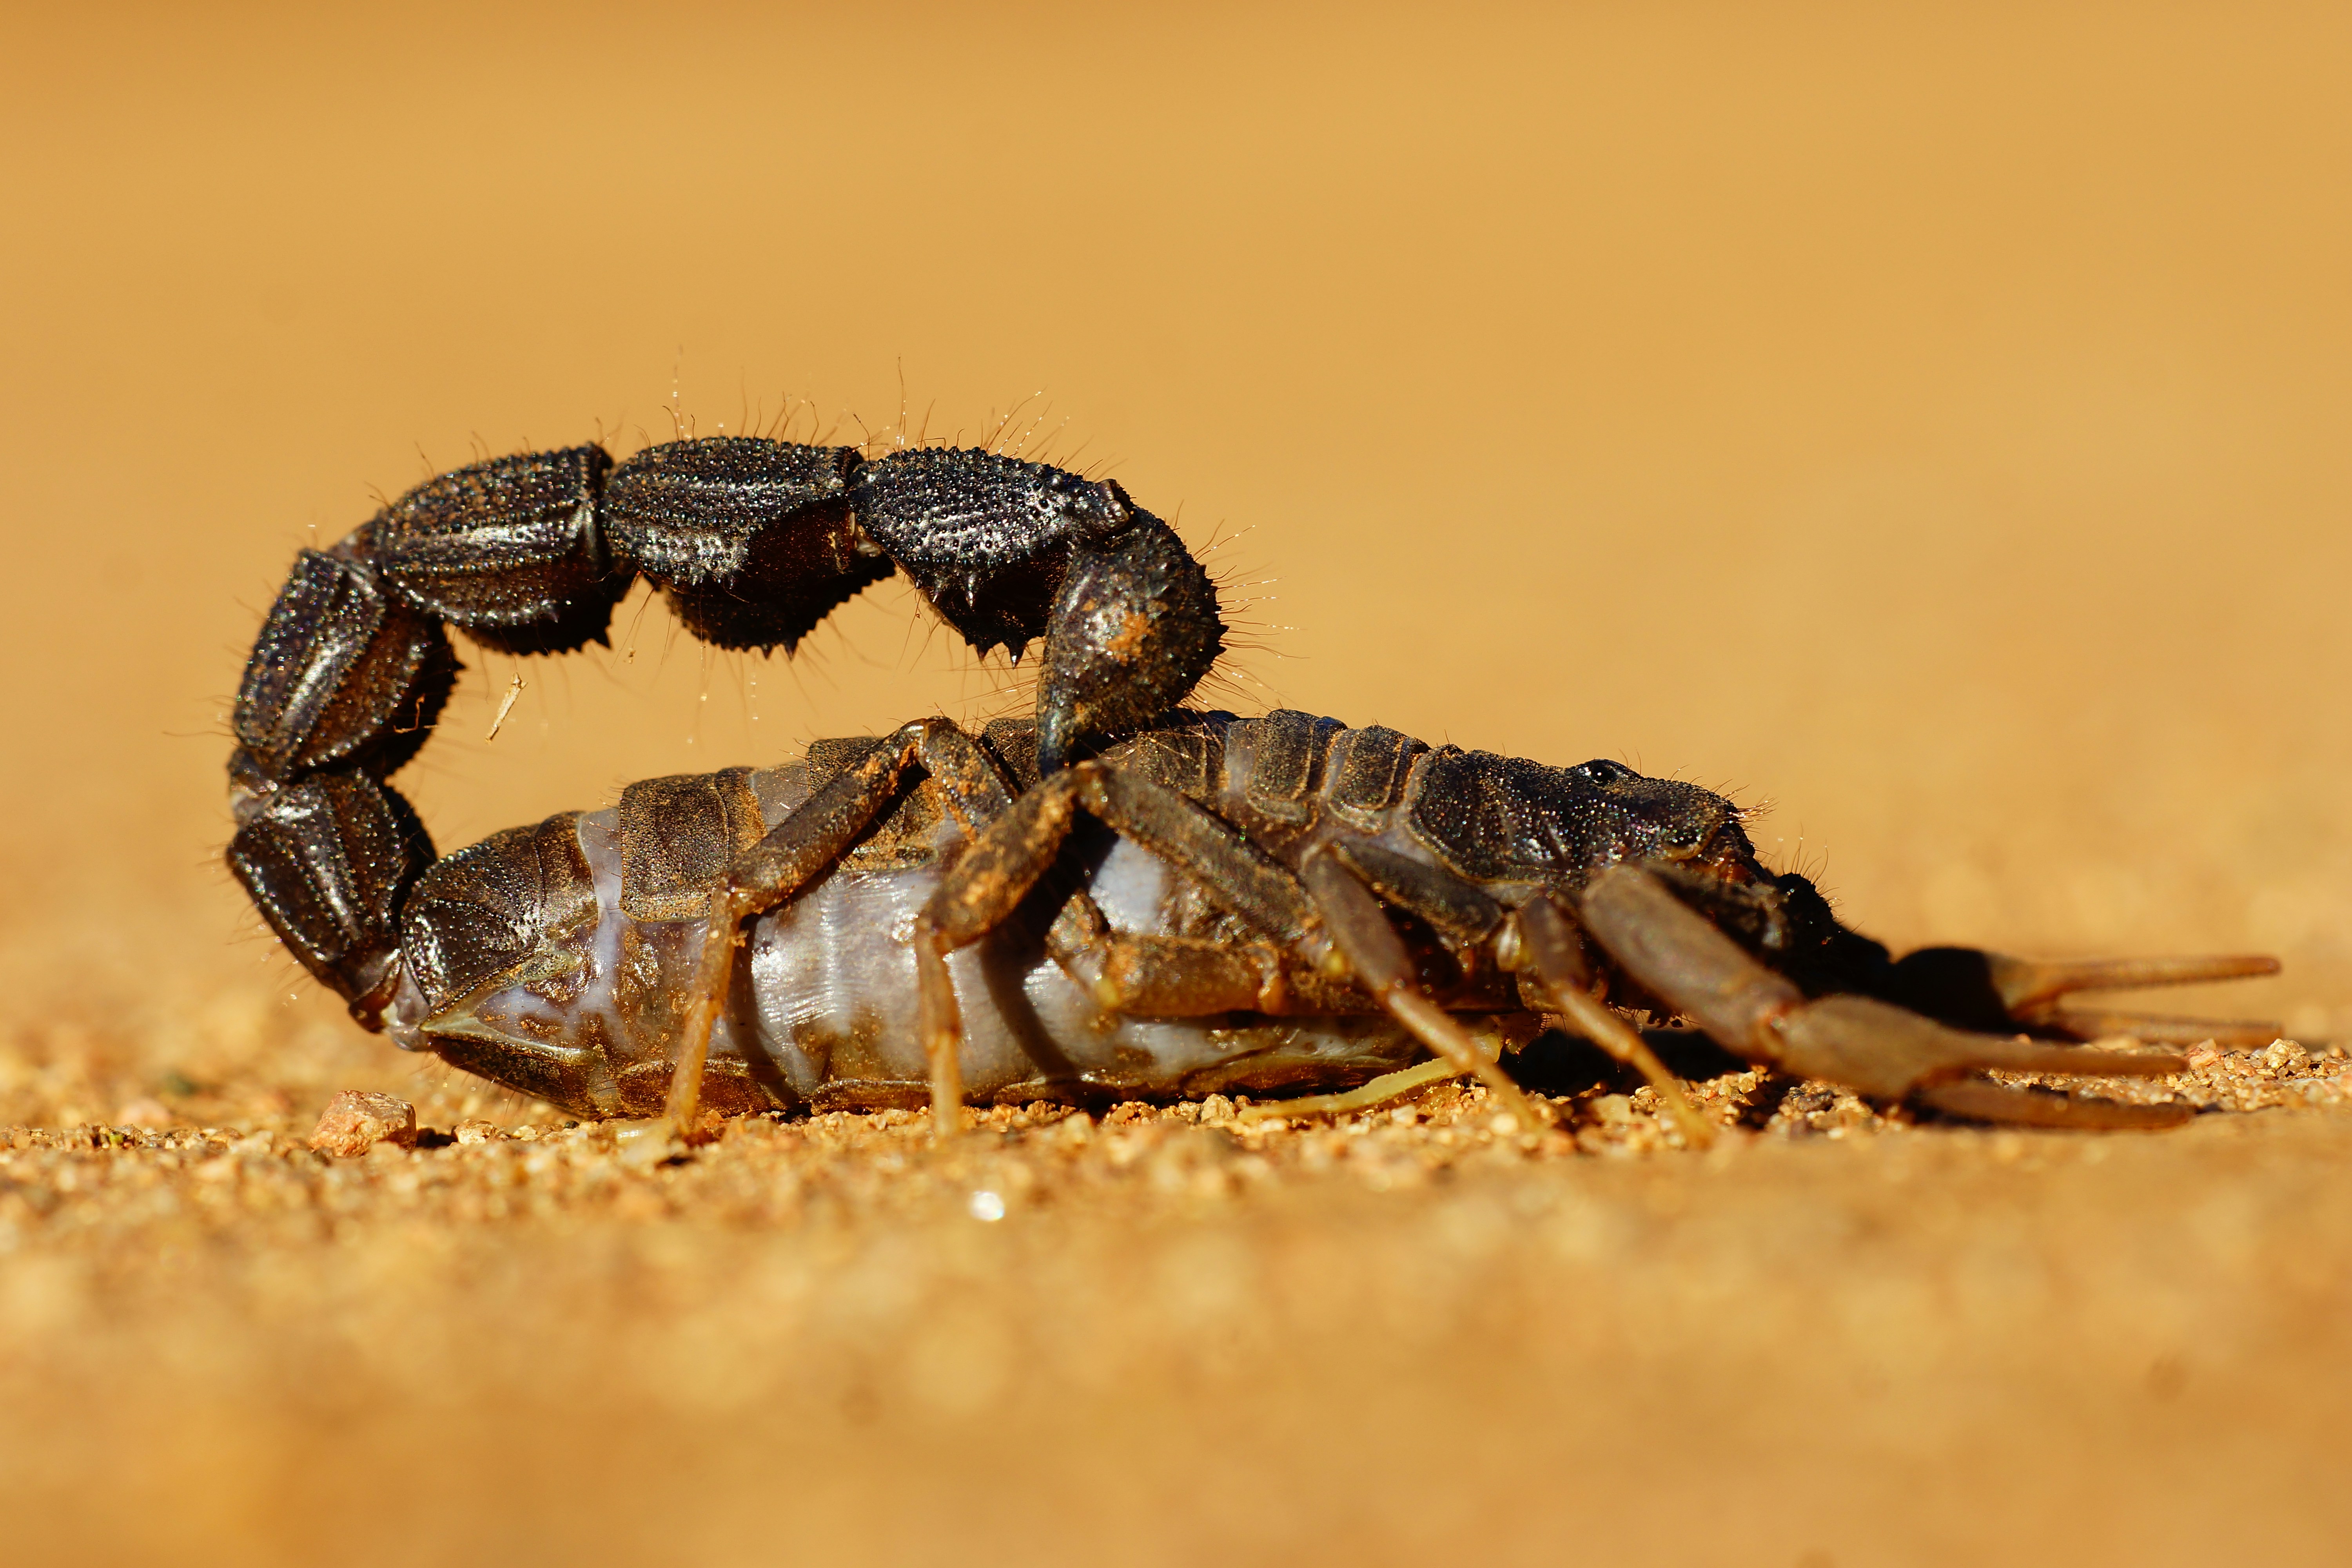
<point x="1929" y="428"/>
<point x="1159" y="1337"/>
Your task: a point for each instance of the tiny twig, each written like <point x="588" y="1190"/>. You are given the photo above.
<point x="514" y="690"/>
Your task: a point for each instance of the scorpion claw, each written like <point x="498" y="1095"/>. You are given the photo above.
<point x="1878" y="1050"/>
<point x="1981" y="990"/>
<point x="1975" y="1099"/>
<point x="1886" y="1052"/>
<point x="2028" y="982"/>
<point x="2156" y="1029"/>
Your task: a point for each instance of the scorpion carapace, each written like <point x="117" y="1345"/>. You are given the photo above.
<point x="753" y="541"/>
<point x="1210" y="904"/>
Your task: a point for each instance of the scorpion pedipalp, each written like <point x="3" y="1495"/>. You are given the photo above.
<point x="1976" y="989"/>
<point x="1879" y="1049"/>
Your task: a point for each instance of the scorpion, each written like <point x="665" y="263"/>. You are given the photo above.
<point x="1121" y="896"/>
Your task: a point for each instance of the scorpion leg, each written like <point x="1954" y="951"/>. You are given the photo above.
<point x="1163" y="976"/>
<point x="1557" y="959"/>
<point x="977" y="894"/>
<point x="1885" y="1052"/>
<point x="801" y="847"/>
<point x="1361" y="932"/>
<point x="1462" y="911"/>
<point x="1370" y="1096"/>
<point x="1329" y="920"/>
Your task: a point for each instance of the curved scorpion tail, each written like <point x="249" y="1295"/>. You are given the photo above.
<point x="753" y="541"/>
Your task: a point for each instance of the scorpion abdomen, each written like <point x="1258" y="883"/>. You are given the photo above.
<point x="557" y="959"/>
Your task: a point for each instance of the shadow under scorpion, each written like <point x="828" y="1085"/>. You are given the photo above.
<point x="1121" y="898"/>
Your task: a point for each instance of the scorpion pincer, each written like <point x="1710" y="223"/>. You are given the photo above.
<point x="1118" y="899"/>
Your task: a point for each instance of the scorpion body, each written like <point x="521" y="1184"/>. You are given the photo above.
<point x="1119" y="897"/>
<point x="565" y="960"/>
<point x="579" y="998"/>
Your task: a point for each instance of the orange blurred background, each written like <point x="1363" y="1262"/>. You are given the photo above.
<point x="1935" y="421"/>
<point x="1933" y="424"/>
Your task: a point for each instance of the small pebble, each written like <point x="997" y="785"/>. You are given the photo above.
<point x="357" y="1121"/>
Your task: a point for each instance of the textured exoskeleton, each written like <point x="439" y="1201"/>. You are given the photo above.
<point x="753" y="541"/>
<point x="1213" y="904"/>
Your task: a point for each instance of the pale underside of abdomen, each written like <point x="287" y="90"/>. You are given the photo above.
<point x="822" y="1011"/>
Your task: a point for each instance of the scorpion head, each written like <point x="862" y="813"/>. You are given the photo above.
<point x="1693" y="841"/>
<point x="1509" y="819"/>
<point x="1664" y="821"/>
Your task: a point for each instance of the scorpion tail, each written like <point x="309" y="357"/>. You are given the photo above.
<point x="1133" y="630"/>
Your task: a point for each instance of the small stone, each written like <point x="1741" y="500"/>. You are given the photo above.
<point x="357" y="1121"/>
<point x="144" y="1112"/>
<point x="2284" y="1056"/>
<point x="474" y="1130"/>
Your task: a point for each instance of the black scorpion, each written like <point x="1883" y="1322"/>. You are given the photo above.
<point x="1119" y="898"/>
